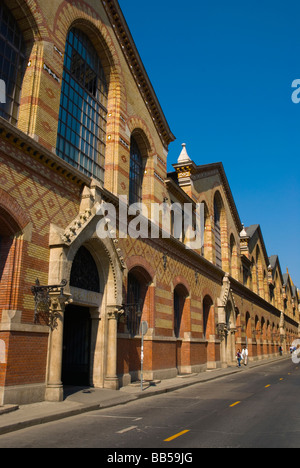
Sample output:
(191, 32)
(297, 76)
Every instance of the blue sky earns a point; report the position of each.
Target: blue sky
(223, 74)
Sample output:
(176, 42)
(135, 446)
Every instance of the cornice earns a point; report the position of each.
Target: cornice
(32, 148)
(138, 71)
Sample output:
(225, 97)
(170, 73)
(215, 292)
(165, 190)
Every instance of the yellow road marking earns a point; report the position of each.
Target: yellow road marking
(175, 436)
(235, 404)
(267, 386)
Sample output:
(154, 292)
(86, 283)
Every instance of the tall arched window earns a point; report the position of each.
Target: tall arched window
(207, 232)
(178, 309)
(218, 242)
(136, 173)
(180, 300)
(134, 304)
(12, 65)
(83, 107)
(10, 261)
(207, 317)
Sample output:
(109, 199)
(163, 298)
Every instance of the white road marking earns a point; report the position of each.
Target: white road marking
(126, 430)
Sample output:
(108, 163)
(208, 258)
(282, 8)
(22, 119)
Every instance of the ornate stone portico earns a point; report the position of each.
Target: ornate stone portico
(227, 323)
(104, 306)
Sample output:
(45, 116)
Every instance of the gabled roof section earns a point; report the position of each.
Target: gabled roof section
(274, 262)
(137, 68)
(200, 171)
(254, 232)
(219, 166)
(287, 280)
(295, 293)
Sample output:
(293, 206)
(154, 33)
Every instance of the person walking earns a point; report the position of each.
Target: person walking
(245, 355)
(239, 357)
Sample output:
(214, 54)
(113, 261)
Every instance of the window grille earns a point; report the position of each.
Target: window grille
(134, 305)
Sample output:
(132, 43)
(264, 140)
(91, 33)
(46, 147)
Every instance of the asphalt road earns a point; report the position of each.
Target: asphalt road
(257, 408)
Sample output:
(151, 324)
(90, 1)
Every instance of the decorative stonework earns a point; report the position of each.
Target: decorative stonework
(76, 227)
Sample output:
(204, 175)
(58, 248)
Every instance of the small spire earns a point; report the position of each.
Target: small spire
(243, 232)
(184, 157)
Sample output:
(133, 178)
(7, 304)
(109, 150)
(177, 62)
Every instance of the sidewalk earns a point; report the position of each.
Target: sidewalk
(81, 400)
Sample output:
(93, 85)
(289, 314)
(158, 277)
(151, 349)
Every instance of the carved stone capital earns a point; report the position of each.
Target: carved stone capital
(114, 312)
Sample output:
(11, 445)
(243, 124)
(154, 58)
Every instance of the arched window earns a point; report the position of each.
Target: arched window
(207, 232)
(136, 173)
(207, 317)
(84, 273)
(257, 269)
(218, 242)
(139, 300)
(83, 107)
(233, 257)
(248, 326)
(180, 299)
(134, 304)
(12, 65)
(10, 260)
(177, 313)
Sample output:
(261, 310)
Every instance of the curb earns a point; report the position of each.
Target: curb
(8, 409)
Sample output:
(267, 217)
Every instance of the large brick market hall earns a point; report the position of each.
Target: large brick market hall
(82, 126)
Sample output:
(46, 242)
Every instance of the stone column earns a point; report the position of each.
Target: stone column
(97, 350)
(111, 379)
(54, 386)
(222, 333)
(233, 346)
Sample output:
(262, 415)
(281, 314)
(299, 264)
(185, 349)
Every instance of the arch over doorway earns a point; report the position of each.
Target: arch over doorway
(102, 301)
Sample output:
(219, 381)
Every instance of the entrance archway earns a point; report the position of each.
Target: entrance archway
(230, 334)
(227, 323)
(94, 273)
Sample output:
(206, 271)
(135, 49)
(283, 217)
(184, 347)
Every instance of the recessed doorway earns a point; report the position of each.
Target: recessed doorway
(76, 346)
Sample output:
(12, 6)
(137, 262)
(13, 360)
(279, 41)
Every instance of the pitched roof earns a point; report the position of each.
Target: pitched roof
(253, 230)
(274, 261)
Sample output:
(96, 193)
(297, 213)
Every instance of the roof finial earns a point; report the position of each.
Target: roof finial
(184, 157)
(243, 233)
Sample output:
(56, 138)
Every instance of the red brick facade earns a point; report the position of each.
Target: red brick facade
(48, 210)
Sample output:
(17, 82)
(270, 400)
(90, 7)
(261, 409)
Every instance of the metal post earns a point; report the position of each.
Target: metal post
(144, 329)
(142, 362)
